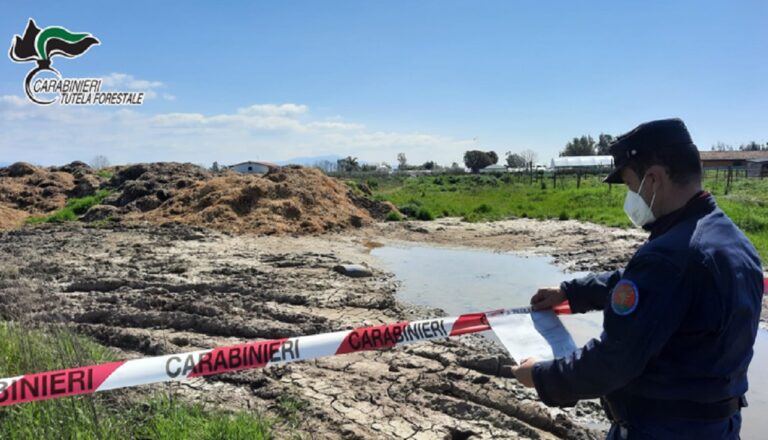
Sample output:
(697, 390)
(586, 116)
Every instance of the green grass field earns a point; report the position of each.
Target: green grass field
(489, 197)
(75, 207)
(108, 415)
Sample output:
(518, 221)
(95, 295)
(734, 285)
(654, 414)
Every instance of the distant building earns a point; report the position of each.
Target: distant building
(414, 173)
(252, 167)
(734, 159)
(757, 167)
(495, 168)
(582, 162)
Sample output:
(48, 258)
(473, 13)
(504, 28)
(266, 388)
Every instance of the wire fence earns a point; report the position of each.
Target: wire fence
(554, 178)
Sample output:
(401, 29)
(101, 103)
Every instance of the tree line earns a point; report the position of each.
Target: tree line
(476, 160)
(587, 146)
(749, 146)
(584, 145)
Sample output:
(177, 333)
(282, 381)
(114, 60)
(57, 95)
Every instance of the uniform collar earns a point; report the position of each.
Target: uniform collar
(702, 202)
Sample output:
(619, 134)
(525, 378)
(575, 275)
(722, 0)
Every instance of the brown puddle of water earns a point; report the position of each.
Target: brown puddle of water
(469, 280)
(371, 245)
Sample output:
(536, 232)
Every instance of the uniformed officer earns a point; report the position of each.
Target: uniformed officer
(681, 318)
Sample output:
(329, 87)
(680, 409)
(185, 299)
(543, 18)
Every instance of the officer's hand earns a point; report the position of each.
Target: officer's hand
(547, 297)
(524, 372)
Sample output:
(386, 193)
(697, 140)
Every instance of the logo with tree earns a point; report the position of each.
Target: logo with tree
(41, 45)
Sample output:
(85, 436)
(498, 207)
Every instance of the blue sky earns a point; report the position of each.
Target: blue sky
(232, 81)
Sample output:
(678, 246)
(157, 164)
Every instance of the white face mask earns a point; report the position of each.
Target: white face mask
(637, 210)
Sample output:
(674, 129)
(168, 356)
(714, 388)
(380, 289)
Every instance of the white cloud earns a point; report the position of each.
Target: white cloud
(274, 109)
(335, 125)
(13, 101)
(272, 119)
(127, 82)
(176, 119)
(58, 134)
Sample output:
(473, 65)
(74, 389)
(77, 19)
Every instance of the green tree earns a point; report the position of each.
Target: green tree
(515, 160)
(720, 146)
(603, 142)
(580, 146)
(402, 161)
(477, 160)
(752, 146)
(348, 164)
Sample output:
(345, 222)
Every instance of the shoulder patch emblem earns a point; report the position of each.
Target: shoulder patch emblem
(624, 298)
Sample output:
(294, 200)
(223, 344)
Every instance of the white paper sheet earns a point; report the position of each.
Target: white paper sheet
(537, 334)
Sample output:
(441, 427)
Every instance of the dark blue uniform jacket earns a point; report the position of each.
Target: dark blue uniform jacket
(691, 327)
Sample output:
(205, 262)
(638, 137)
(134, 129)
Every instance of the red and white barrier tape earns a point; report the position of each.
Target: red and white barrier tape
(259, 354)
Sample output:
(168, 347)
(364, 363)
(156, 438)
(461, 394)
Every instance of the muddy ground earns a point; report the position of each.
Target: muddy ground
(148, 290)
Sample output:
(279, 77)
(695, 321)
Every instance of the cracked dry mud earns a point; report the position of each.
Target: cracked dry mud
(150, 290)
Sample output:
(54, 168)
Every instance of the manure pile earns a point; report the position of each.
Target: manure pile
(286, 200)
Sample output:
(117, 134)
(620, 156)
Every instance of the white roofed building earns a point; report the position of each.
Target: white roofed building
(252, 167)
(582, 162)
(495, 168)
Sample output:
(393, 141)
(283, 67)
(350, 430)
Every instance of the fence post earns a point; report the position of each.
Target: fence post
(530, 173)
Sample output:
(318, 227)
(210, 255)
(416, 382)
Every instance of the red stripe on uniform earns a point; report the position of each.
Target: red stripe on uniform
(470, 323)
(58, 383)
(564, 308)
(372, 338)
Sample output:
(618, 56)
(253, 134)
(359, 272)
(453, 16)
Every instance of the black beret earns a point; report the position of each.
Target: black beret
(647, 138)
